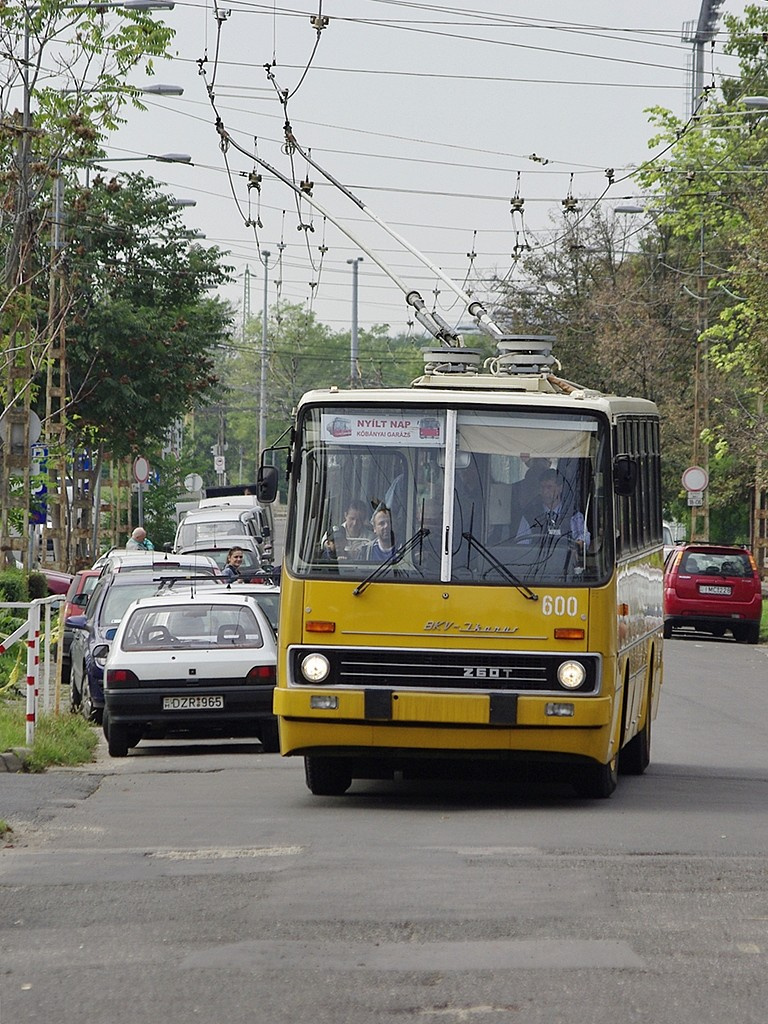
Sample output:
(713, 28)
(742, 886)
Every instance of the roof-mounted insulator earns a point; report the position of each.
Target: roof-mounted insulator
(524, 354)
(451, 360)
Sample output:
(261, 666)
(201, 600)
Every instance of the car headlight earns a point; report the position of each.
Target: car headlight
(571, 674)
(315, 668)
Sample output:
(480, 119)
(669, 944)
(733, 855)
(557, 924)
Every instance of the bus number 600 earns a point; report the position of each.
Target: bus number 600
(559, 605)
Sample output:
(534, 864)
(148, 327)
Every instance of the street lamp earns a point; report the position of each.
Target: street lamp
(17, 274)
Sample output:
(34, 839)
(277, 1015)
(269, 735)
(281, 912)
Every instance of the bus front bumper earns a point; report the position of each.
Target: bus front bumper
(407, 720)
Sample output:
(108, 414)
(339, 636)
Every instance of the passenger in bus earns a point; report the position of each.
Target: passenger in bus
(383, 545)
(549, 516)
(355, 530)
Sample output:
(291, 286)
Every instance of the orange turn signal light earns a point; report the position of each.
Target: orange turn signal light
(318, 626)
(561, 633)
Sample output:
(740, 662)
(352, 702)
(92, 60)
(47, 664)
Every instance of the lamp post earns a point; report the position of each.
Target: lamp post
(16, 464)
(263, 380)
(354, 370)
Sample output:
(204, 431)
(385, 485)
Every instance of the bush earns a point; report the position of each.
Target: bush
(13, 585)
(38, 585)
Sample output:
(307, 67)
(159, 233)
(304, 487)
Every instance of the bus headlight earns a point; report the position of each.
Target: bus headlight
(315, 668)
(571, 674)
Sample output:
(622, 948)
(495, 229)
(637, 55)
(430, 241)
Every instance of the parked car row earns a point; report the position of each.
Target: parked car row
(200, 656)
(712, 588)
(221, 523)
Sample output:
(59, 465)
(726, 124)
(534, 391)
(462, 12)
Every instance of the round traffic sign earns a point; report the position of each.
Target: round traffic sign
(193, 481)
(140, 470)
(695, 478)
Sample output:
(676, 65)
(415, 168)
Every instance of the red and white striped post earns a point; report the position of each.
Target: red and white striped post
(33, 667)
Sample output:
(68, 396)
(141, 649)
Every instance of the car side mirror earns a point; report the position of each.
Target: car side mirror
(100, 654)
(80, 600)
(266, 484)
(77, 622)
(110, 633)
(625, 473)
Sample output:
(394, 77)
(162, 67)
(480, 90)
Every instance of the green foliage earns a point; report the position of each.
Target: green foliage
(59, 739)
(38, 585)
(142, 332)
(160, 501)
(13, 585)
(302, 354)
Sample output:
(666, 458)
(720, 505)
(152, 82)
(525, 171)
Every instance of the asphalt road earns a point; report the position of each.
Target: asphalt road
(203, 881)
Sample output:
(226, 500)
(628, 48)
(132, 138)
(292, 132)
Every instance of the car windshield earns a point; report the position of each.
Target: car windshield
(199, 625)
(208, 531)
(118, 598)
(712, 563)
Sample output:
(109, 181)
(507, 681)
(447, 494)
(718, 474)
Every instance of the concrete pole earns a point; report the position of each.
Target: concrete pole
(354, 373)
(263, 383)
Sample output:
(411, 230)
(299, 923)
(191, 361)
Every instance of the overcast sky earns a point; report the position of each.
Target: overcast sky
(434, 114)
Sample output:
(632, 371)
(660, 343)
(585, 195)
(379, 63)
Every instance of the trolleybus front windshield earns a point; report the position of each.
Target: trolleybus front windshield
(462, 495)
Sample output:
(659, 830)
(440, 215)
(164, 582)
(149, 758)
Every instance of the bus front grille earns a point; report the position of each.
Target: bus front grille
(464, 670)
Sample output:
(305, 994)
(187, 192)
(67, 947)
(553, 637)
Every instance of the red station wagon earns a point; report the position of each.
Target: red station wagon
(712, 588)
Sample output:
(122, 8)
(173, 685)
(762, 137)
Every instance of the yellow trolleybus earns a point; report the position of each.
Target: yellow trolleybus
(508, 607)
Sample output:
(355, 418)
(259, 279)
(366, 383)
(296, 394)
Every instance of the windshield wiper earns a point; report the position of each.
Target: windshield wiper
(509, 576)
(396, 556)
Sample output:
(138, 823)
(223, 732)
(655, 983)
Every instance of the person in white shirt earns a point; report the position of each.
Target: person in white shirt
(139, 541)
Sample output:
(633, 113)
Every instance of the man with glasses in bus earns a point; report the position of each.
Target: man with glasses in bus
(549, 517)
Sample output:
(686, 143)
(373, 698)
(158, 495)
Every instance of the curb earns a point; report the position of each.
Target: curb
(14, 760)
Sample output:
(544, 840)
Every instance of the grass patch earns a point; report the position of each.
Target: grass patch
(64, 739)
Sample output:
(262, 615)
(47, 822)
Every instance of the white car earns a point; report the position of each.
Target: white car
(203, 660)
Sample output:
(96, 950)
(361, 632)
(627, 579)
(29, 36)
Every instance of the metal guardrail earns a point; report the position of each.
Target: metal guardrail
(39, 614)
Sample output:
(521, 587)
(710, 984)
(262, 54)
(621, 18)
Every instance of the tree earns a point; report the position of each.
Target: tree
(68, 63)
(302, 354)
(142, 332)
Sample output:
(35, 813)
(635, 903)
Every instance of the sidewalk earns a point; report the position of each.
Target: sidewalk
(14, 760)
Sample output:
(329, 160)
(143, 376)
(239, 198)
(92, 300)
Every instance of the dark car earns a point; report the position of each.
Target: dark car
(115, 589)
(712, 588)
(75, 602)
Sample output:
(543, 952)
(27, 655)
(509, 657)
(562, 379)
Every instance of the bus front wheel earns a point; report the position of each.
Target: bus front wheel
(326, 776)
(596, 781)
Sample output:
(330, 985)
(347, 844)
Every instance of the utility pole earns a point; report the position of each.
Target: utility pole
(700, 513)
(759, 536)
(15, 482)
(354, 367)
(263, 382)
(246, 300)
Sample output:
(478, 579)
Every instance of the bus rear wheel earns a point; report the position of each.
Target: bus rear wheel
(636, 755)
(597, 781)
(326, 776)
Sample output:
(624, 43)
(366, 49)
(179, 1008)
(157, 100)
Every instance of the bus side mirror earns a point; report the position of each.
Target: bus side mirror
(266, 484)
(625, 473)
